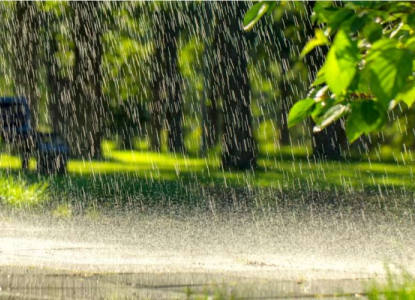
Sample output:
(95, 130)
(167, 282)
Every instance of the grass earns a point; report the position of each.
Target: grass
(16, 192)
(133, 176)
(397, 288)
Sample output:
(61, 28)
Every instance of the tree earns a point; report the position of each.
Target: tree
(57, 72)
(211, 85)
(87, 115)
(167, 96)
(26, 60)
(368, 69)
(238, 144)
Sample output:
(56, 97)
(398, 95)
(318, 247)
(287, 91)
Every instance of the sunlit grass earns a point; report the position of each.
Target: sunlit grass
(14, 162)
(16, 192)
(397, 288)
(274, 171)
(125, 173)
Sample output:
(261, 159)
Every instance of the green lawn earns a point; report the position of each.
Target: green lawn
(132, 174)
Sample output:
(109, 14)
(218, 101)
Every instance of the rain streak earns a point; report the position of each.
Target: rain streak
(154, 150)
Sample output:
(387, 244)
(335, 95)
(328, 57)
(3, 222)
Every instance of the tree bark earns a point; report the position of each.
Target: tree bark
(167, 99)
(210, 100)
(330, 142)
(174, 110)
(58, 85)
(87, 110)
(285, 138)
(157, 106)
(238, 148)
(26, 60)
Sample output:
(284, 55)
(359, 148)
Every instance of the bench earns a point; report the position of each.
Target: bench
(49, 149)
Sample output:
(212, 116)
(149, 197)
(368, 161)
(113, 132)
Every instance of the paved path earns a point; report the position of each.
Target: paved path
(158, 257)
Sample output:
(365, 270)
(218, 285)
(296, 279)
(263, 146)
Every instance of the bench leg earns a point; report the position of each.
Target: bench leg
(25, 161)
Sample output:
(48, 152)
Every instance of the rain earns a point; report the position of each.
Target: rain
(146, 152)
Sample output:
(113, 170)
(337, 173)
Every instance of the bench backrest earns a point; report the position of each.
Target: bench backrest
(14, 117)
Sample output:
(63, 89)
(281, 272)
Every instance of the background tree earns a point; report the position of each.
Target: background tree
(102, 63)
(238, 144)
(87, 115)
(210, 103)
(26, 27)
(167, 81)
(57, 66)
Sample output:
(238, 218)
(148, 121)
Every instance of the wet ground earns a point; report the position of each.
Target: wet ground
(34, 283)
(149, 256)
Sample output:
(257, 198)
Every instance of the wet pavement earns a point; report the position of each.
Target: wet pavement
(149, 257)
(36, 283)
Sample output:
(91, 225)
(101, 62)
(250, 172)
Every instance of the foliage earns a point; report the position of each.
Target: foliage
(16, 192)
(369, 66)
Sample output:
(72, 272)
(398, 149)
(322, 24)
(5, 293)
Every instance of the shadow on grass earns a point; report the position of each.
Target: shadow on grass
(147, 179)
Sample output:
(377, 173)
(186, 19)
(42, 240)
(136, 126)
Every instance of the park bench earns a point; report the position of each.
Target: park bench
(49, 149)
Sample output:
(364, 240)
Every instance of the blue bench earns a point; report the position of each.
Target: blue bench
(50, 150)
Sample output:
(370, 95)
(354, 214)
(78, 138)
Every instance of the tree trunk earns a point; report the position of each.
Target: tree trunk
(174, 109)
(57, 84)
(166, 83)
(26, 60)
(156, 108)
(286, 104)
(238, 148)
(330, 142)
(210, 100)
(87, 101)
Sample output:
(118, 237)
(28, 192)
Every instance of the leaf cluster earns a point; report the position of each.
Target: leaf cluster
(369, 66)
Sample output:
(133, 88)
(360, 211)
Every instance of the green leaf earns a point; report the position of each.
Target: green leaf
(382, 45)
(338, 17)
(368, 4)
(354, 23)
(255, 13)
(390, 69)
(408, 94)
(331, 115)
(366, 116)
(318, 111)
(363, 84)
(320, 78)
(410, 44)
(300, 111)
(341, 63)
(410, 20)
(319, 40)
(271, 7)
(371, 113)
(323, 10)
(372, 32)
(353, 128)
